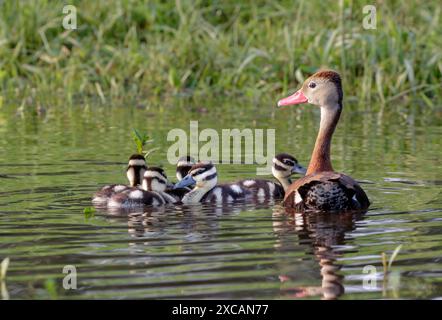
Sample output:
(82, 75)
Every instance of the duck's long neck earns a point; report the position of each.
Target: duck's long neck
(320, 160)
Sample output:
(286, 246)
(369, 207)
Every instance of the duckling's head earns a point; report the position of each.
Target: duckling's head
(155, 179)
(324, 88)
(135, 169)
(284, 165)
(202, 174)
(183, 166)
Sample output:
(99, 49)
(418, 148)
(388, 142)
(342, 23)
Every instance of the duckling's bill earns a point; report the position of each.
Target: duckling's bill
(187, 181)
(299, 169)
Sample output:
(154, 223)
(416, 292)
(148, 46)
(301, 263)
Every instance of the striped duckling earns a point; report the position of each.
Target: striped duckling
(284, 165)
(134, 172)
(152, 192)
(183, 166)
(204, 176)
(155, 180)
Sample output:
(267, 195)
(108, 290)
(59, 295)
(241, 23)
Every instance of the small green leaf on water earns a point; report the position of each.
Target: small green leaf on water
(51, 288)
(4, 268)
(140, 140)
(89, 212)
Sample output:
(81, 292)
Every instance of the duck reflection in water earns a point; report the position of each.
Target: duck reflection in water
(197, 222)
(321, 232)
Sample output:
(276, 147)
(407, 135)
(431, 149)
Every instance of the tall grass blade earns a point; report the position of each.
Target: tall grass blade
(394, 255)
(4, 268)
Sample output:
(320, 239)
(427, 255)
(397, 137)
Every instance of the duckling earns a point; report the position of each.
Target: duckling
(204, 176)
(155, 180)
(182, 169)
(284, 165)
(183, 166)
(134, 172)
(152, 192)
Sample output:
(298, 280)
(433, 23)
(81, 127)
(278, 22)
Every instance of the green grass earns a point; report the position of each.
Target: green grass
(152, 51)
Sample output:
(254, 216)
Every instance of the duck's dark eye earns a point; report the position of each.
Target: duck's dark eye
(312, 85)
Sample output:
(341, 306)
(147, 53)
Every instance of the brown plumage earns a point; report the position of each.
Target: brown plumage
(348, 186)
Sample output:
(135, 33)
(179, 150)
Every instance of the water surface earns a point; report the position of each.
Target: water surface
(51, 162)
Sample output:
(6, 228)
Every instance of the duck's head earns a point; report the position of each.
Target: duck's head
(135, 169)
(284, 165)
(202, 174)
(323, 88)
(155, 179)
(183, 166)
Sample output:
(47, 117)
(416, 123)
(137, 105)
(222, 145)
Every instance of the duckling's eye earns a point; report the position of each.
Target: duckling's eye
(312, 85)
(196, 172)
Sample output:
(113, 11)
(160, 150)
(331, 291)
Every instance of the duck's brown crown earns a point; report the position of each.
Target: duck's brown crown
(331, 76)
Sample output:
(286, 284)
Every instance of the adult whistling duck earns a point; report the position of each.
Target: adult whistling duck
(323, 189)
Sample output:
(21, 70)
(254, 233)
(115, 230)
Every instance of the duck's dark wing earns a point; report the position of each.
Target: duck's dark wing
(303, 185)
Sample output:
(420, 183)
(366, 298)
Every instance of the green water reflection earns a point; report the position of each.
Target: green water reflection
(52, 161)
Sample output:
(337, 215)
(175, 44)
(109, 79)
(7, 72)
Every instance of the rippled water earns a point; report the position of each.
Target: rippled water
(51, 163)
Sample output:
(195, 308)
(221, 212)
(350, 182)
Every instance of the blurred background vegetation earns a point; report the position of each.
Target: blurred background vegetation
(145, 52)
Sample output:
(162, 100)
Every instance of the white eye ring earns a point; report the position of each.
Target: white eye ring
(312, 85)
